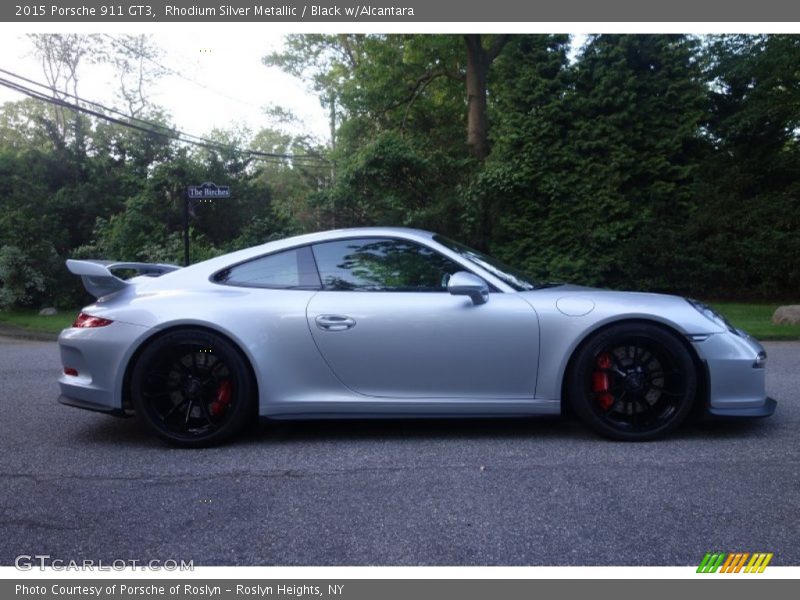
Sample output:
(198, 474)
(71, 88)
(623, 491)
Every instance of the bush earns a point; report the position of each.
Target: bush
(22, 283)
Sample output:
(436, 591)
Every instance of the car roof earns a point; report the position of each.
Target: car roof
(245, 254)
(330, 235)
(350, 232)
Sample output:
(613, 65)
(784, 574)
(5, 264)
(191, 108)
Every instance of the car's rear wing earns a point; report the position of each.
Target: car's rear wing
(99, 280)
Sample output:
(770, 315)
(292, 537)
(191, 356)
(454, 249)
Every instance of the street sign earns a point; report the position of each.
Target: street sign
(199, 194)
(208, 191)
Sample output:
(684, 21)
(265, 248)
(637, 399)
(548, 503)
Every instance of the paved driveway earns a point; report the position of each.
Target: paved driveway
(79, 485)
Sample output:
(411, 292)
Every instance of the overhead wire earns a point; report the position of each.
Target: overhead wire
(172, 71)
(150, 127)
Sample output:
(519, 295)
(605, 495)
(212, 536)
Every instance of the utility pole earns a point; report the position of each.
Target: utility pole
(332, 100)
(186, 229)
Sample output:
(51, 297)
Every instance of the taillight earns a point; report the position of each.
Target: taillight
(85, 321)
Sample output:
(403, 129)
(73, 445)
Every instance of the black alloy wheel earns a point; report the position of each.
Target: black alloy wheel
(192, 388)
(633, 382)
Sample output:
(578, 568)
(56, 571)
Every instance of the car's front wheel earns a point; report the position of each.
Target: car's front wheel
(192, 388)
(633, 382)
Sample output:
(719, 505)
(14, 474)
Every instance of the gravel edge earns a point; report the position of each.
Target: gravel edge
(19, 333)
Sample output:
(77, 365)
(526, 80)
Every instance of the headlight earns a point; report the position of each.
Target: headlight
(712, 315)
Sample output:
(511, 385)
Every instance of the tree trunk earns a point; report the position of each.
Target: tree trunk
(477, 71)
(478, 62)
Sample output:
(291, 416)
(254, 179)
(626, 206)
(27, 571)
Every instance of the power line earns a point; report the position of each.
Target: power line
(85, 101)
(63, 103)
(148, 126)
(158, 125)
(171, 132)
(178, 73)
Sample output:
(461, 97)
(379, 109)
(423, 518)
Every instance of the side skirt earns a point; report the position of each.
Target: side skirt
(411, 408)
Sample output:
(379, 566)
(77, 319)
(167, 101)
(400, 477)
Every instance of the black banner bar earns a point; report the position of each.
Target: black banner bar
(348, 11)
(393, 589)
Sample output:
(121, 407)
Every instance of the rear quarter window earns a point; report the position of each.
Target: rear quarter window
(290, 269)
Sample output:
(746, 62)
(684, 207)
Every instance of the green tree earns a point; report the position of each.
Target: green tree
(599, 174)
(379, 82)
(400, 155)
(749, 195)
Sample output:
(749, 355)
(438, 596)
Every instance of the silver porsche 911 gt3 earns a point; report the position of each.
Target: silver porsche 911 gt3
(387, 322)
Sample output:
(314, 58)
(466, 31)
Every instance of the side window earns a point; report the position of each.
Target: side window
(382, 265)
(291, 269)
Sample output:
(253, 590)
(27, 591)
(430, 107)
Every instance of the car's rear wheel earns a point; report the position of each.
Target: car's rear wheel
(192, 388)
(633, 382)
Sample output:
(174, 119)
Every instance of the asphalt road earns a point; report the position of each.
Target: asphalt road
(78, 485)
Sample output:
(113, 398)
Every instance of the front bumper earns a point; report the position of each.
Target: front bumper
(755, 412)
(736, 376)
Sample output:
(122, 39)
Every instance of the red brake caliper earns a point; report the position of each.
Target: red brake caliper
(223, 401)
(601, 383)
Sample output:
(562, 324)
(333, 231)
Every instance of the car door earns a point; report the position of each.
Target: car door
(387, 327)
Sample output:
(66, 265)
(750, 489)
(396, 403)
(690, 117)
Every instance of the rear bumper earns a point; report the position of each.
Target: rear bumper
(86, 405)
(97, 359)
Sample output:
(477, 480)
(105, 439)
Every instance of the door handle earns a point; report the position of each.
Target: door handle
(334, 322)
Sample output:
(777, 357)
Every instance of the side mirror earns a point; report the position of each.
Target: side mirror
(467, 284)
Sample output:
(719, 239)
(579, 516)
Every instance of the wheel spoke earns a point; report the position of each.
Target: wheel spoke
(632, 412)
(211, 375)
(172, 410)
(163, 375)
(637, 353)
(178, 362)
(206, 414)
(189, 412)
(648, 407)
(672, 394)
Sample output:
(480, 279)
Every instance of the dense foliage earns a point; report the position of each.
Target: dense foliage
(656, 162)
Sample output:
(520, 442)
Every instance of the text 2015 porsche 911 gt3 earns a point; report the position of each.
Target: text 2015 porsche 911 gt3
(383, 322)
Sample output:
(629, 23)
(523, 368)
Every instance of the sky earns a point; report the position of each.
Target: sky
(222, 82)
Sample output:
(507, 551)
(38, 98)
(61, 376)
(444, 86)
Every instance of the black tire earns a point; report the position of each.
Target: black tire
(632, 382)
(192, 388)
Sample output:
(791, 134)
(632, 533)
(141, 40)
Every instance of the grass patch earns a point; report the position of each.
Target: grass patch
(756, 319)
(33, 321)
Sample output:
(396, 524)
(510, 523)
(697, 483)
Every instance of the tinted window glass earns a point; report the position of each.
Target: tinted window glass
(382, 265)
(290, 269)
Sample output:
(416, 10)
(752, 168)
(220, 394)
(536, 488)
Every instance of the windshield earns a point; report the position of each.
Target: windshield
(513, 277)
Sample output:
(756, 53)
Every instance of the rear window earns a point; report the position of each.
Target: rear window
(290, 269)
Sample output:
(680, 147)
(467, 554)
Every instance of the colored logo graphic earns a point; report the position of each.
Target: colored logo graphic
(734, 562)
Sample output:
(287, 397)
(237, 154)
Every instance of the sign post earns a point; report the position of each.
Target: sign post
(205, 192)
